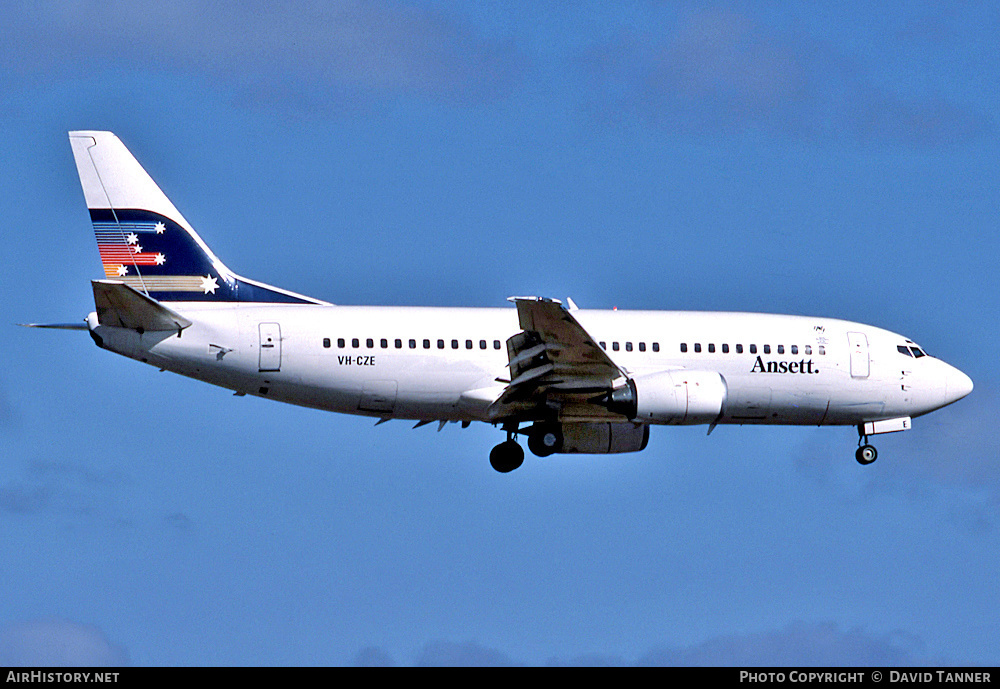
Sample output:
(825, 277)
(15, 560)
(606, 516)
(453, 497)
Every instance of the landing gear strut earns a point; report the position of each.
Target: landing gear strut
(866, 454)
(508, 455)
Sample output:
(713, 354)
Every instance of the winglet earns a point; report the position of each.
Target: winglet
(121, 306)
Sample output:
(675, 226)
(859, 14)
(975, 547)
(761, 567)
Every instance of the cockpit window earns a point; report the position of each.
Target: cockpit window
(910, 349)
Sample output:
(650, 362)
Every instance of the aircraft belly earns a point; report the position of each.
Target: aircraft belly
(380, 385)
(800, 402)
(752, 400)
(748, 401)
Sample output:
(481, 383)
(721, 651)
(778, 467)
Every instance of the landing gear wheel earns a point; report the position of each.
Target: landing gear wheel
(866, 454)
(544, 440)
(506, 456)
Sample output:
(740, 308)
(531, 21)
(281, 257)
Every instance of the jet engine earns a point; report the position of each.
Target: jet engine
(670, 397)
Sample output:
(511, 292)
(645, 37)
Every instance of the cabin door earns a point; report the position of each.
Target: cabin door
(860, 365)
(270, 347)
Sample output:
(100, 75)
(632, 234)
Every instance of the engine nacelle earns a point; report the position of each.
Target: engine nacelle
(671, 397)
(589, 438)
(603, 438)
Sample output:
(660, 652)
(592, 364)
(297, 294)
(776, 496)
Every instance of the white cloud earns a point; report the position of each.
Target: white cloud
(63, 487)
(802, 644)
(468, 654)
(719, 70)
(58, 643)
(303, 51)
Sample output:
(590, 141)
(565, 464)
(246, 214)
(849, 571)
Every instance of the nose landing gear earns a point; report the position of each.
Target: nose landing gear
(865, 454)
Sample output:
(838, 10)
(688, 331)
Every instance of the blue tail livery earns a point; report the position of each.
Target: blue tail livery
(144, 242)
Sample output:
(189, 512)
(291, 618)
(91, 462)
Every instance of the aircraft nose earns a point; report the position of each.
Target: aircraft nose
(959, 384)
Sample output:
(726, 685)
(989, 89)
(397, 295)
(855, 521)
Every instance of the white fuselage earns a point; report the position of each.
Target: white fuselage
(431, 363)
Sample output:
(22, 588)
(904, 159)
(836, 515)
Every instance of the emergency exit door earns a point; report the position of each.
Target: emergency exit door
(270, 347)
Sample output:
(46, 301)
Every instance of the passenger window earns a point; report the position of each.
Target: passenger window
(795, 349)
(711, 349)
(326, 342)
(781, 349)
(628, 346)
(482, 344)
(739, 349)
(440, 344)
(809, 349)
(454, 344)
(604, 345)
(369, 342)
(822, 350)
(468, 344)
(684, 347)
(398, 343)
(753, 349)
(614, 346)
(384, 343)
(427, 344)
(341, 343)
(697, 346)
(496, 344)
(725, 349)
(413, 344)
(355, 342)
(642, 346)
(656, 346)
(767, 349)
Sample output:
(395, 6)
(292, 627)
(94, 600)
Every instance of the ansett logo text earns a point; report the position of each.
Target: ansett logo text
(802, 366)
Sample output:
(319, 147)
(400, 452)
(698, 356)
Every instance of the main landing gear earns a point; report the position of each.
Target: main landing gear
(508, 455)
(866, 454)
(544, 439)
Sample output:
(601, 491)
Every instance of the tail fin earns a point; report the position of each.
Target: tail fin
(144, 241)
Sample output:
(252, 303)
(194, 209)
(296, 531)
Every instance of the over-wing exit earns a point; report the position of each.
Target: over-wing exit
(569, 380)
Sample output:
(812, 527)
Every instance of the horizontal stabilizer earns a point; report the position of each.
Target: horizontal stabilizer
(121, 306)
(56, 326)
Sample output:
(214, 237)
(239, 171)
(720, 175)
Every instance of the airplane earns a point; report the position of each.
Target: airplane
(570, 380)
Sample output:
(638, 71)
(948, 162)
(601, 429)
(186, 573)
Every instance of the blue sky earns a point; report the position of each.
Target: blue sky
(837, 161)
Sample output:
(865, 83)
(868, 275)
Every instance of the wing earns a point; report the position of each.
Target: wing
(554, 359)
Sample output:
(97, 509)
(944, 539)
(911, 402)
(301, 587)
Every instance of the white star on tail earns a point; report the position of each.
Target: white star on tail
(160, 228)
(122, 271)
(132, 238)
(137, 249)
(209, 284)
(160, 258)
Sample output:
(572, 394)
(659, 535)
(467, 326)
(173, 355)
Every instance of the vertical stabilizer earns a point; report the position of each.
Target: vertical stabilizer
(143, 239)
